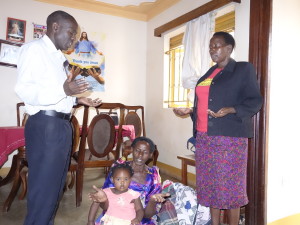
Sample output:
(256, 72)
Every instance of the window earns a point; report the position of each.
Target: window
(226, 22)
(176, 95)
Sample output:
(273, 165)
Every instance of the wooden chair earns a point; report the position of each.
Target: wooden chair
(18, 171)
(75, 143)
(21, 114)
(134, 115)
(103, 143)
(22, 117)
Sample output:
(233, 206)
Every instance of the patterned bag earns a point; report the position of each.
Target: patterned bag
(188, 212)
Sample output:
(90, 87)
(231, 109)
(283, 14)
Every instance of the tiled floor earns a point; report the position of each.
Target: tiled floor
(67, 213)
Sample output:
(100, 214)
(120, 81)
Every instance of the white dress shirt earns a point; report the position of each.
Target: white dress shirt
(41, 76)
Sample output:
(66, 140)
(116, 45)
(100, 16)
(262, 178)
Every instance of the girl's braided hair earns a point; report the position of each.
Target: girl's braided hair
(121, 164)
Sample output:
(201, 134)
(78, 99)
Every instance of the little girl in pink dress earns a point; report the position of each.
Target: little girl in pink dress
(123, 206)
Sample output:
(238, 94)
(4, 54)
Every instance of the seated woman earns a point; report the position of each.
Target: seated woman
(145, 180)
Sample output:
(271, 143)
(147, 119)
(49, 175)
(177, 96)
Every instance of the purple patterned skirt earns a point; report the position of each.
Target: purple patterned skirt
(221, 169)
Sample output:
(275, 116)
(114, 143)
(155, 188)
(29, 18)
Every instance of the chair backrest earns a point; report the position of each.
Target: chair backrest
(22, 116)
(134, 115)
(117, 108)
(101, 135)
(76, 133)
(113, 115)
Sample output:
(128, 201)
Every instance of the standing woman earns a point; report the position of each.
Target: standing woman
(227, 97)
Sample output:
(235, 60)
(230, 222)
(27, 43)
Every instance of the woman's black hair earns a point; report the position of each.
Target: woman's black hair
(228, 38)
(148, 140)
(124, 165)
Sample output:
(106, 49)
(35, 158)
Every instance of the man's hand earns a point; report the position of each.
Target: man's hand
(72, 86)
(75, 87)
(89, 102)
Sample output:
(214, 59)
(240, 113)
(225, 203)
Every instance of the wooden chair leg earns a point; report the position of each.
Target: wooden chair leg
(14, 190)
(225, 219)
(79, 186)
(23, 176)
(72, 182)
(11, 174)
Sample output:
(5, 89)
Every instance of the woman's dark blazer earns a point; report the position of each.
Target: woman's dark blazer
(235, 86)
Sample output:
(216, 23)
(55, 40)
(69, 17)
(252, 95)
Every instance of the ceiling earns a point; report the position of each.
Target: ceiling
(143, 10)
(125, 2)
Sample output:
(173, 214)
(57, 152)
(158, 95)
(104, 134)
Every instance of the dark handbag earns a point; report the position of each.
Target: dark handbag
(113, 115)
(191, 144)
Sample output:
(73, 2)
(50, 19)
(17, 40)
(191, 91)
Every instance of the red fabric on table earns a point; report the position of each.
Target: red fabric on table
(127, 131)
(11, 138)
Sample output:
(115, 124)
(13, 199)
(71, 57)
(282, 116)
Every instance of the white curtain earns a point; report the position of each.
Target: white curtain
(196, 60)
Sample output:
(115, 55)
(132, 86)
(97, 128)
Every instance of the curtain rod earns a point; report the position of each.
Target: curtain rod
(206, 8)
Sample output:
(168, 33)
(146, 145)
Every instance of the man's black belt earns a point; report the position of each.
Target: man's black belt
(65, 116)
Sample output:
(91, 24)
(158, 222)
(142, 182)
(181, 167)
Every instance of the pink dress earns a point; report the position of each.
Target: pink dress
(121, 208)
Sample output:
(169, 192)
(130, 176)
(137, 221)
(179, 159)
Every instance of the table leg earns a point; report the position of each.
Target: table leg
(183, 172)
(13, 192)
(14, 174)
(10, 176)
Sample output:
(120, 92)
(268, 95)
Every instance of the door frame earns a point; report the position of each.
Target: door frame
(259, 42)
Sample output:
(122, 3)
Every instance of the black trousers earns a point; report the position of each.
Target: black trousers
(48, 147)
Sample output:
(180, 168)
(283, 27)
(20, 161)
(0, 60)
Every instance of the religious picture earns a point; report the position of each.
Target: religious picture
(9, 53)
(15, 30)
(90, 60)
(39, 31)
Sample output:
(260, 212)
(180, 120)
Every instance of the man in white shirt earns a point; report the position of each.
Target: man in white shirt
(47, 90)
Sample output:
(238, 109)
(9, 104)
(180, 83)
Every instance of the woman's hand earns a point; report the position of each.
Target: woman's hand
(98, 196)
(222, 112)
(150, 209)
(182, 111)
(159, 197)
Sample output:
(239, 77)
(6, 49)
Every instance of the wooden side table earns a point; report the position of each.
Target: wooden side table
(185, 161)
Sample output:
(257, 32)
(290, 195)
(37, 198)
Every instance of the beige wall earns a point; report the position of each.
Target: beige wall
(284, 151)
(124, 47)
(168, 131)
(135, 74)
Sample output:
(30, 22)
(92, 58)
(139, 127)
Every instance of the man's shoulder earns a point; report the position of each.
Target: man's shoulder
(32, 45)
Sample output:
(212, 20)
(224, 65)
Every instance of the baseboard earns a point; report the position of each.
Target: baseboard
(164, 168)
